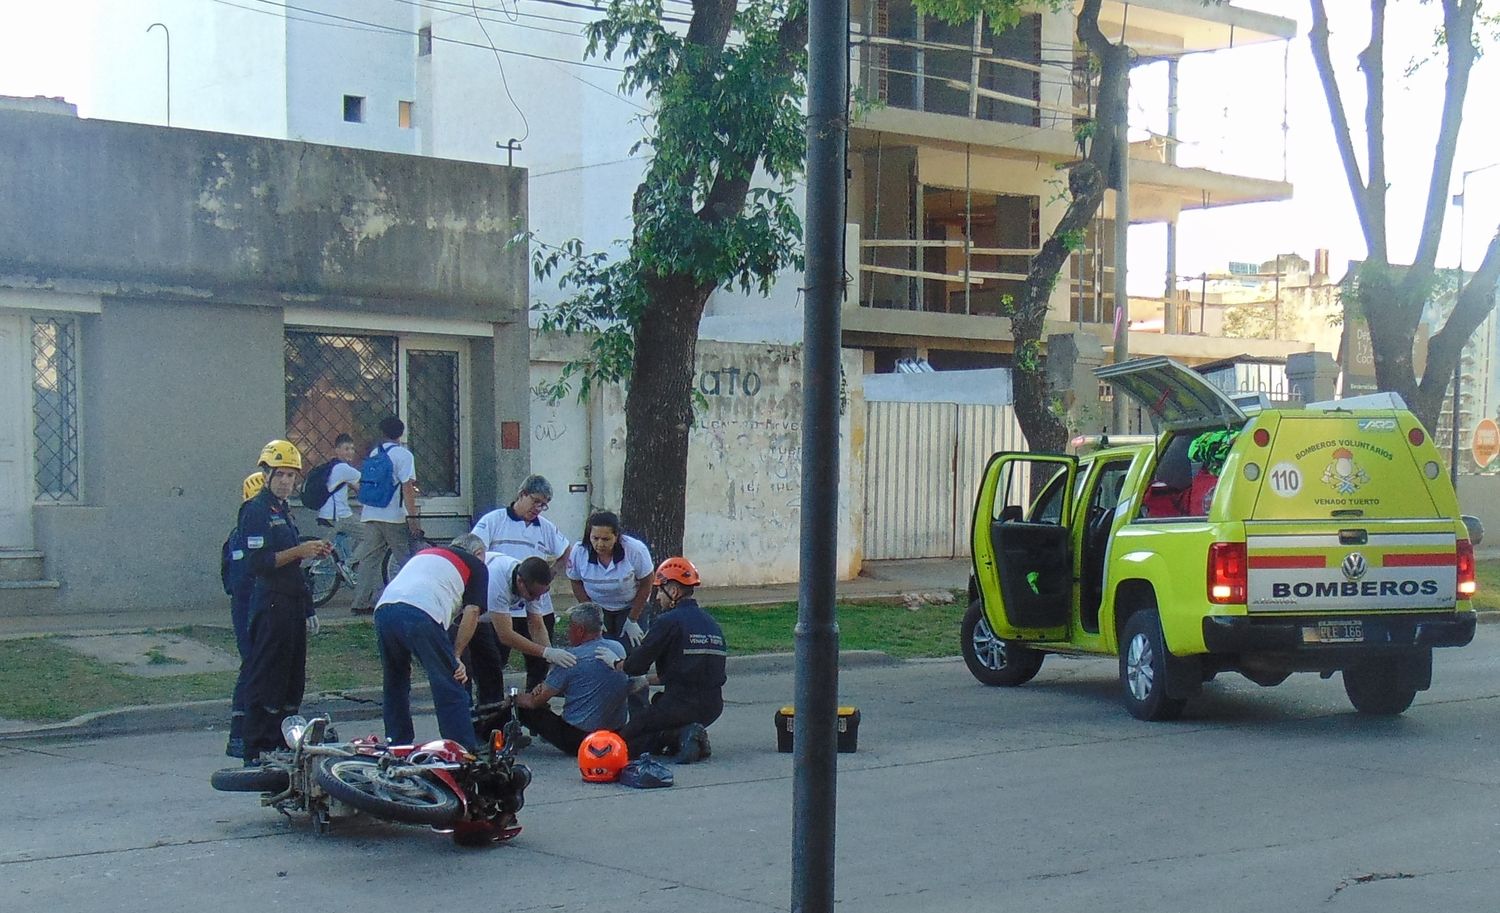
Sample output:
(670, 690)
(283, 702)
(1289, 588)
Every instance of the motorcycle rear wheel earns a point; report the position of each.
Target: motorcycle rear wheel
(410, 800)
(250, 780)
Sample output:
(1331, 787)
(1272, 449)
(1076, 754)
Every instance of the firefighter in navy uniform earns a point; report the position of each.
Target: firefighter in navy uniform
(687, 647)
(281, 611)
(238, 583)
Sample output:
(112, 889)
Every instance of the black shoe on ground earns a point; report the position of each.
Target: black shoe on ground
(692, 745)
(361, 611)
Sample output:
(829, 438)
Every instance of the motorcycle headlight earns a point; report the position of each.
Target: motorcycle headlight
(292, 728)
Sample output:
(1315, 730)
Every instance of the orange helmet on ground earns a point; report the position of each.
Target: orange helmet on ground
(678, 570)
(601, 757)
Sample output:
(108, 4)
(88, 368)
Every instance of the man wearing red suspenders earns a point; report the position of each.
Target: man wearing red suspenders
(411, 621)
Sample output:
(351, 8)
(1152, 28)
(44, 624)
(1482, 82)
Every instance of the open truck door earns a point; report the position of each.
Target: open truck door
(1023, 545)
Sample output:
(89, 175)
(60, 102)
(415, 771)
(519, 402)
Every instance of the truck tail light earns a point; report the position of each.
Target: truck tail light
(1227, 573)
(1467, 585)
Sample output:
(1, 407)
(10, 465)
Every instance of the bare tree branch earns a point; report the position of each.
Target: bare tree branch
(1318, 39)
(1458, 25)
(1372, 64)
(1475, 302)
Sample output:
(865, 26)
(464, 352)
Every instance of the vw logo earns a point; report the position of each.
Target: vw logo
(1354, 566)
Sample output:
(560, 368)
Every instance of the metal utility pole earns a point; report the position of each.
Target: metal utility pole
(1169, 307)
(168, 32)
(815, 762)
(1122, 232)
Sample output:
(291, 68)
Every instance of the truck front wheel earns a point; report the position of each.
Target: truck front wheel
(992, 660)
(1143, 669)
(1377, 687)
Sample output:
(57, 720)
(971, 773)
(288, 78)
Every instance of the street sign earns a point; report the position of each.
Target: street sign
(1486, 443)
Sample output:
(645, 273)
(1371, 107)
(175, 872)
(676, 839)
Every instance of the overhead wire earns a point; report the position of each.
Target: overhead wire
(504, 83)
(442, 38)
(446, 6)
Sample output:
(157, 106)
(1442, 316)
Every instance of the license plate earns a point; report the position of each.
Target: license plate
(1335, 632)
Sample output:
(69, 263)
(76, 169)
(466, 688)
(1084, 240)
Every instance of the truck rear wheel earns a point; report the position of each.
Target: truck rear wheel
(1143, 669)
(992, 660)
(1376, 687)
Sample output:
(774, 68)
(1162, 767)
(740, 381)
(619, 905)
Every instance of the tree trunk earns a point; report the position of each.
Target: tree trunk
(659, 413)
(1087, 180)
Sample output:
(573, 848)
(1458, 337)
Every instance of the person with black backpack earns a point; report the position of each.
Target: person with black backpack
(388, 494)
(328, 487)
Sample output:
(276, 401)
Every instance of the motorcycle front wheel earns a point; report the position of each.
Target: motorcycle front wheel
(410, 800)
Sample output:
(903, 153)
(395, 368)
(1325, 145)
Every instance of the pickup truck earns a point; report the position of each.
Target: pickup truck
(1323, 538)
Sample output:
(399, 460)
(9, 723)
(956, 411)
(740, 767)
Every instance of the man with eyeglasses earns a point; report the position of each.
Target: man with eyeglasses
(520, 531)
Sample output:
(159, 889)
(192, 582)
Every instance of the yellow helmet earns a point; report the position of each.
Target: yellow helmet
(254, 482)
(281, 454)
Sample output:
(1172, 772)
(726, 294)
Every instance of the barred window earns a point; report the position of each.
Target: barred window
(54, 407)
(433, 419)
(337, 384)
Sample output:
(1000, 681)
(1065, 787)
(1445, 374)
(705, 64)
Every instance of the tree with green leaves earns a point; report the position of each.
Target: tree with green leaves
(726, 108)
(1392, 297)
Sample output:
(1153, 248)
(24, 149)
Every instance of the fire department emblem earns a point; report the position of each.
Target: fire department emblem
(1354, 566)
(1345, 475)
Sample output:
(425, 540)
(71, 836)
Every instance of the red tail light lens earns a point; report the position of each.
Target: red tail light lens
(1467, 585)
(1416, 437)
(1227, 573)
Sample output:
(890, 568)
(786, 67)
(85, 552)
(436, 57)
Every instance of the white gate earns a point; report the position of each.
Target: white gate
(560, 451)
(922, 471)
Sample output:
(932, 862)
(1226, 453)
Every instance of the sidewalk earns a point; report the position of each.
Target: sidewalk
(879, 580)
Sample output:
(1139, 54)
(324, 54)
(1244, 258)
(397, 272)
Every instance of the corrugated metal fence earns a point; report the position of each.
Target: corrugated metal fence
(924, 462)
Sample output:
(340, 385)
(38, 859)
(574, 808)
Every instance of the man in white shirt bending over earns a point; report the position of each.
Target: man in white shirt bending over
(513, 609)
(520, 531)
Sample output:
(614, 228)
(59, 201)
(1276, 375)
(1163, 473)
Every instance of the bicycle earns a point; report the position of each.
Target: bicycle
(325, 575)
(419, 541)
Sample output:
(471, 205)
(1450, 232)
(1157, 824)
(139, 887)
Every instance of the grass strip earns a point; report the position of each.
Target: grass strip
(43, 681)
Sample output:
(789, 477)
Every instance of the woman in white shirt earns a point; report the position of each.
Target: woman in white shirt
(615, 571)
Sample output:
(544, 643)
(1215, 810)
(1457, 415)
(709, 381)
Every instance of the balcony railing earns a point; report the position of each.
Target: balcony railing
(966, 289)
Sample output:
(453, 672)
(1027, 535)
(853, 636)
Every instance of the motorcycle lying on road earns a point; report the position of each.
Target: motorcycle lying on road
(438, 783)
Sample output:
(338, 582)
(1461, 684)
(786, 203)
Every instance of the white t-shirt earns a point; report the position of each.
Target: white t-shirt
(612, 585)
(406, 471)
(503, 599)
(337, 506)
(513, 536)
(433, 582)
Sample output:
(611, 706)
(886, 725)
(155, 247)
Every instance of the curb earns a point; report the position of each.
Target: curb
(364, 703)
(356, 704)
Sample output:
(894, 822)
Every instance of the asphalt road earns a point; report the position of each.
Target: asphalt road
(961, 797)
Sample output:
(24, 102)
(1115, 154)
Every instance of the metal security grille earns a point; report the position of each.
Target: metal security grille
(433, 419)
(54, 406)
(336, 385)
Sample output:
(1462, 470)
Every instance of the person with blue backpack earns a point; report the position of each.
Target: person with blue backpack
(388, 494)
